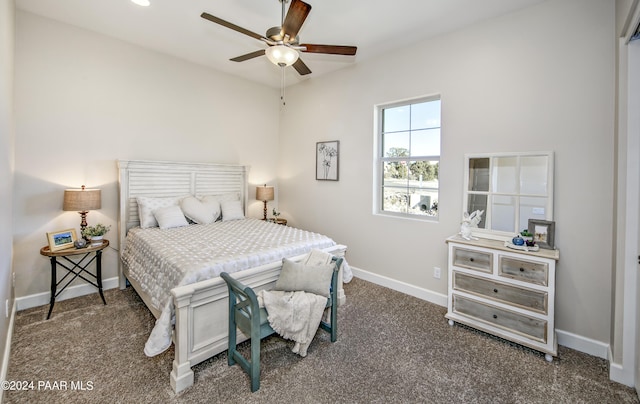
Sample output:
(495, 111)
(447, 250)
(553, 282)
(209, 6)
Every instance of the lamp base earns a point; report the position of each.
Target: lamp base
(83, 222)
(265, 210)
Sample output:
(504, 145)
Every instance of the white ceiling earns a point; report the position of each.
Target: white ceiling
(175, 27)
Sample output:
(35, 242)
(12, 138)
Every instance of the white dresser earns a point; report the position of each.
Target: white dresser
(504, 292)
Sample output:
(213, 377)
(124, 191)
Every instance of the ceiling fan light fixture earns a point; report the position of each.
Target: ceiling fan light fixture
(281, 55)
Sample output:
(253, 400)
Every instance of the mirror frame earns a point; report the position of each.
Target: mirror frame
(488, 232)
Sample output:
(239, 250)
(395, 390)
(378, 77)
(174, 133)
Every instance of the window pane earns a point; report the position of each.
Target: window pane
(396, 119)
(423, 174)
(425, 115)
(478, 202)
(425, 142)
(503, 213)
(395, 200)
(395, 144)
(531, 208)
(533, 175)
(423, 202)
(504, 178)
(395, 173)
(479, 175)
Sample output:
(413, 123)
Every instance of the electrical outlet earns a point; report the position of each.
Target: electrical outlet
(436, 272)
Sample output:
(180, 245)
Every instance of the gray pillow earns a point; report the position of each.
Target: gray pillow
(308, 278)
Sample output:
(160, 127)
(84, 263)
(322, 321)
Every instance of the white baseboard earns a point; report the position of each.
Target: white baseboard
(7, 349)
(573, 341)
(41, 299)
(583, 344)
(619, 374)
(415, 291)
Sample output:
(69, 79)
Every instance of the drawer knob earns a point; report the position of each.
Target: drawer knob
(495, 290)
(521, 269)
(495, 316)
(471, 259)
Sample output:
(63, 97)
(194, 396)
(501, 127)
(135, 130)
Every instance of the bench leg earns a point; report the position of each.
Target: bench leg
(232, 344)
(255, 360)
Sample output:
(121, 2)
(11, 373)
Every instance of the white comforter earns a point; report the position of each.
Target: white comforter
(160, 260)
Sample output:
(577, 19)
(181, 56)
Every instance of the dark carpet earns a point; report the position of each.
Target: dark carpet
(391, 348)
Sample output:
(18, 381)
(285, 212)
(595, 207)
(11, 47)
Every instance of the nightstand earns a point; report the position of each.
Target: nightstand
(82, 258)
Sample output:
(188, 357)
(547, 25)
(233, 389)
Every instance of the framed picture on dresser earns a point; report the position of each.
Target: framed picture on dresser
(543, 233)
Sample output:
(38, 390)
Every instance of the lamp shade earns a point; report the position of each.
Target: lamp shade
(282, 55)
(264, 193)
(81, 200)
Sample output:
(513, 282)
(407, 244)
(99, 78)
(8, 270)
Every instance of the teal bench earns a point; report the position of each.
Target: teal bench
(245, 315)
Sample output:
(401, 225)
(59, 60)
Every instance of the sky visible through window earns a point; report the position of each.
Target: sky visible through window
(414, 127)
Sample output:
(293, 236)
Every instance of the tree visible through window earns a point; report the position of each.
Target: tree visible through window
(409, 157)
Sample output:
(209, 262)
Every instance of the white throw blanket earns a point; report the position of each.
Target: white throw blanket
(294, 315)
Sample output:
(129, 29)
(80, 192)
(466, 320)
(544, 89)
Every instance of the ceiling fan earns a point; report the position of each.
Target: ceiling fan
(283, 40)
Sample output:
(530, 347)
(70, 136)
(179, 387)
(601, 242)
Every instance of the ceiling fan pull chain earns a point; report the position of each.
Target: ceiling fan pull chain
(282, 86)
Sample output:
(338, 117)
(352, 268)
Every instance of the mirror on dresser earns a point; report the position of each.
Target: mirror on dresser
(510, 188)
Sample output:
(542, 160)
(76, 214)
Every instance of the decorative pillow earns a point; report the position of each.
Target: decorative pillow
(147, 204)
(201, 212)
(231, 210)
(169, 217)
(308, 278)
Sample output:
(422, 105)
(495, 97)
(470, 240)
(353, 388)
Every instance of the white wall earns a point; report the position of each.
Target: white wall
(7, 18)
(537, 79)
(84, 100)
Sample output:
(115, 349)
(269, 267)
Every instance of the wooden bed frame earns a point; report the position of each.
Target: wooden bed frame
(201, 309)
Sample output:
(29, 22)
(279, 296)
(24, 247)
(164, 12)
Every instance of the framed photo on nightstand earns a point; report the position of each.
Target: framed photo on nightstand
(60, 240)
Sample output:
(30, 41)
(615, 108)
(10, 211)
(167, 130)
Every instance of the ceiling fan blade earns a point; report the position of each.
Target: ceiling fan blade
(234, 27)
(330, 49)
(301, 67)
(248, 56)
(298, 12)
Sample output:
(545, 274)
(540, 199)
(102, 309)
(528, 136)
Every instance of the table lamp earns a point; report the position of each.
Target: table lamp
(82, 201)
(264, 194)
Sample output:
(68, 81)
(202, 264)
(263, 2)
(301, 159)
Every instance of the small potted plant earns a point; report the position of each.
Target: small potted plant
(95, 233)
(528, 237)
(275, 215)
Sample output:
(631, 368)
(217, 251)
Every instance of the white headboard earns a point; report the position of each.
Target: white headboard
(167, 178)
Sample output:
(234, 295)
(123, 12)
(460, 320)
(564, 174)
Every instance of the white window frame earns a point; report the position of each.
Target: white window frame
(379, 159)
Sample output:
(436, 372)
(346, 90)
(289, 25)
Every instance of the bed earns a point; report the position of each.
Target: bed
(198, 302)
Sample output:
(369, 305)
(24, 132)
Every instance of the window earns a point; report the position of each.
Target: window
(408, 158)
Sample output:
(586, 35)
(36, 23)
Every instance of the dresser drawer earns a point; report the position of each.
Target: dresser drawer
(525, 298)
(523, 270)
(530, 327)
(471, 259)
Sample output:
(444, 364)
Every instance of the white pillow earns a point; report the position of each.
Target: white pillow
(201, 212)
(147, 204)
(231, 210)
(170, 216)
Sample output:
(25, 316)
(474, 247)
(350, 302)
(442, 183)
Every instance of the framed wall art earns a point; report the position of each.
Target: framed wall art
(59, 240)
(327, 158)
(543, 233)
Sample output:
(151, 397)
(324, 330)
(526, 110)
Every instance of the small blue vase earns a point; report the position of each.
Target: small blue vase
(517, 240)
